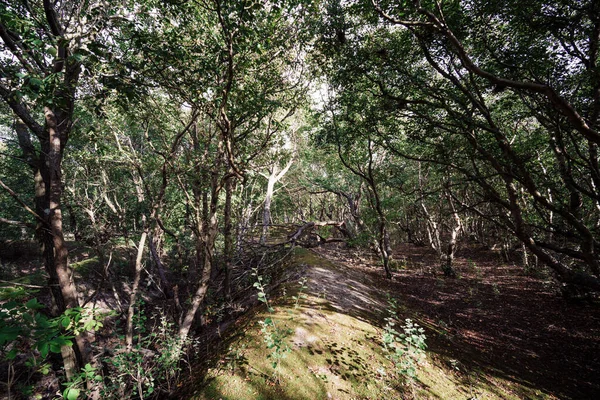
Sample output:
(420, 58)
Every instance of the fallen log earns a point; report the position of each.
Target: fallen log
(307, 229)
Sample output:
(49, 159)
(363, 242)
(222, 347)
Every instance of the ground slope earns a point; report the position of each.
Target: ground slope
(334, 336)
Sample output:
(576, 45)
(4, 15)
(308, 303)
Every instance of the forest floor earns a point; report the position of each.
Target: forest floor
(493, 332)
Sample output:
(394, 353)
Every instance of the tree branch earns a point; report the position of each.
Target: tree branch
(21, 202)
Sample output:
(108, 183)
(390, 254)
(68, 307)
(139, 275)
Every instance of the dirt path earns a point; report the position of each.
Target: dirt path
(494, 319)
(492, 334)
(348, 291)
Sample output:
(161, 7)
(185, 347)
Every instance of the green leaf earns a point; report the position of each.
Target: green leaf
(33, 304)
(28, 318)
(11, 354)
(54, 348)
(36, 82)
(44, 348)
(71, 393)
(77, 57)
(8, 334)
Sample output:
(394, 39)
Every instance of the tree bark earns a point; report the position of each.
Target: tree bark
(228, 236)
(451, 249)
(274, 177)
(207, 246)
(135, 289)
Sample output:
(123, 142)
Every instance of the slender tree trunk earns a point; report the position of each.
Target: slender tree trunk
(267, 208)
(153, 245)
(242, 226)
(274, 177)
(384, 248)
(135, 288)
(208, 244)
(451, 249)
(228, 236)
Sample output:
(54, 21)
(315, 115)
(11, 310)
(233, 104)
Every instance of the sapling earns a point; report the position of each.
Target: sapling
(300, 295)
(405, 347)
(274, 336)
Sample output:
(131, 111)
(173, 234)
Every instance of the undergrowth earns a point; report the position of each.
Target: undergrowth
(404, 344)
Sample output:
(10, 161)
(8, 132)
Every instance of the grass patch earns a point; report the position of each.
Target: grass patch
(337, 352)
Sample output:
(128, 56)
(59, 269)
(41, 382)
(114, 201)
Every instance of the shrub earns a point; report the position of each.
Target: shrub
(404, 347)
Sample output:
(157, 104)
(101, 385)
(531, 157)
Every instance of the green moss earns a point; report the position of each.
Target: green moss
(84, 265)
(337, 355)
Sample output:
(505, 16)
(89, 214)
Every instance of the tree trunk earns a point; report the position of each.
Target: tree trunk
(228, 237)
(56, 253)
(242, 226)
(207, 246)
(385, 248)
(135, 289)
(48, 187)
(53, 136)
(153, 245)
(274, 177)
(267, 208)
(451, 249)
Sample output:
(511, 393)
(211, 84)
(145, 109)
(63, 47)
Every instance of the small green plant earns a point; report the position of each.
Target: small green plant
(475, 268)
(402, 263)
(496, 289)
(449, 271)
(75, 387)
(153, 364)
(22, 325)
(235, 358)
(326, 231)
(274, 336)
(300, 295)
(404, 347)
(26, 329)
(362, 240)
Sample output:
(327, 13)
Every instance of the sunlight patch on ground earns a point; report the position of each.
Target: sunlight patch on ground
(335, 342)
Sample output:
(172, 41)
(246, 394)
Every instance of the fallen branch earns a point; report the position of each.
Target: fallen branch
(309, 226)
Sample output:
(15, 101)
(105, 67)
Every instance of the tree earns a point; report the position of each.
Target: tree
(276, 173)
(236, 65)
(508, 102)
(47, 43)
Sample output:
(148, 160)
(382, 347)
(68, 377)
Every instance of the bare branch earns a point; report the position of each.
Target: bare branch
(21, 202)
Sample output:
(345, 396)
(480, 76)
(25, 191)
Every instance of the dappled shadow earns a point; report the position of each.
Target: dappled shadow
(491, 331)
(491, 321)
(344, 292)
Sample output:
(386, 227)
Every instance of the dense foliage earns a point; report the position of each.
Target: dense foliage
(181, 138)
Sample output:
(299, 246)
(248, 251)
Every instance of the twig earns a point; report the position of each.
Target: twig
(26, 285)
(21, 202)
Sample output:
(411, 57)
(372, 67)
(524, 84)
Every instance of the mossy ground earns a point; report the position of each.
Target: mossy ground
(335, 350)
